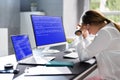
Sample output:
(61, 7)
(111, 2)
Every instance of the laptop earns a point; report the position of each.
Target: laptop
(24, 53)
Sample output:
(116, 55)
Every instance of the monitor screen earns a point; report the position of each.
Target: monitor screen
(21, 45)
(48, 30)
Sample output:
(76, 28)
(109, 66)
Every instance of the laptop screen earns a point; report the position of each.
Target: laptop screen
(21, 45)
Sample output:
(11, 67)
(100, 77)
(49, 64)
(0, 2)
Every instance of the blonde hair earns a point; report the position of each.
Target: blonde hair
(95, 17)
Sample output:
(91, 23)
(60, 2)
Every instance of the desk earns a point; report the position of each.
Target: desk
(80, 70)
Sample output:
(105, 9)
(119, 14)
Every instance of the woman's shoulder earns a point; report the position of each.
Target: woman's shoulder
(110, 30)
(109, 26)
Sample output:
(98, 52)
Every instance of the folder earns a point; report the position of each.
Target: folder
(60, 63)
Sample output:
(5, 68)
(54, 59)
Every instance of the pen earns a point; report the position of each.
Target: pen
(9, 71)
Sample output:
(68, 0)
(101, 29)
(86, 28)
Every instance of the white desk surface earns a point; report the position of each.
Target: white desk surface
(5, 60)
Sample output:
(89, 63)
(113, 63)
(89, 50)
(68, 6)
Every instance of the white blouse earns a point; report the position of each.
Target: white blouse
(105, 46)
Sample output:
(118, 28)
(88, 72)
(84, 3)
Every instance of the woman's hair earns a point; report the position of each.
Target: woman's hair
(96, 18)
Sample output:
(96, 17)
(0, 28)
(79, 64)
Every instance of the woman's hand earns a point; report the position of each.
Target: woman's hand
(83, 29)
(85, 33)
(78, 26)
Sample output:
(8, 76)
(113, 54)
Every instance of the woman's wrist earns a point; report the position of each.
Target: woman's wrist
(87, 41)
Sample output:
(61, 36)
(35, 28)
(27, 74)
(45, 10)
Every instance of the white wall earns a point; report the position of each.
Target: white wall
(72, 11)
(70, 16)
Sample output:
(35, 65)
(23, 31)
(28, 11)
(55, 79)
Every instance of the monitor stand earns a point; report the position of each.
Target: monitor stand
(47, 50)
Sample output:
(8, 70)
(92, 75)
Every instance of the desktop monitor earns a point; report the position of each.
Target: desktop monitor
(48, 30)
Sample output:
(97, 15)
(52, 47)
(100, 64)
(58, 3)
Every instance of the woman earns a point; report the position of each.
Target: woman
(105, 46)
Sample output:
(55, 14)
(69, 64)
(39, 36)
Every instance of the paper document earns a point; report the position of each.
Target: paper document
(71, 55)
(43, 70)
(91, 61)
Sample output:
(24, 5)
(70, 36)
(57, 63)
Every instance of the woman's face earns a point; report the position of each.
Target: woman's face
(84, 27)
(91, 29)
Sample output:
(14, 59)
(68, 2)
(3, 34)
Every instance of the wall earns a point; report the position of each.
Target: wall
(9, 18)
(72, 11)
(50, 7)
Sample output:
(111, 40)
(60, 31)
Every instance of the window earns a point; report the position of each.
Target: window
(110, 8)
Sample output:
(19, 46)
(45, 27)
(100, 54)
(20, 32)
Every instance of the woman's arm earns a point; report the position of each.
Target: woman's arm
(99, 44)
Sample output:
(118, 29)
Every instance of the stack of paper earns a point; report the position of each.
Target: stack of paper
(43, 70)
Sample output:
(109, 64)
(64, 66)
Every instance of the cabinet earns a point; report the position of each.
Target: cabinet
(3, 41)
(26, 25)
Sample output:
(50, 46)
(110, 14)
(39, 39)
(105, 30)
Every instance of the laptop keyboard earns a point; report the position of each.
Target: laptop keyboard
(28, 60)
(44, 60)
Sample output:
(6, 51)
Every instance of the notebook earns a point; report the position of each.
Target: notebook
(23, 51)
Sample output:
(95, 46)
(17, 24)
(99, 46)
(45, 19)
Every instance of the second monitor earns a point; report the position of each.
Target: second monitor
(48, 31)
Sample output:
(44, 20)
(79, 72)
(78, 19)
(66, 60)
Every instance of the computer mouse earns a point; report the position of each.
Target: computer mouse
(16, 71)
